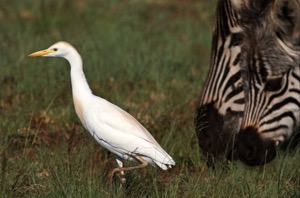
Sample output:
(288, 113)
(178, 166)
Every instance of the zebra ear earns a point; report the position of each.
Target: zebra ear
(260, 5)
(286, 14)
(250, 9)
(253, 6)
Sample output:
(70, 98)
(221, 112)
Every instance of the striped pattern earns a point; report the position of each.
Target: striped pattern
(270, 66)
(275, 114)
(253, 85)
(223, 84)
(221, 102)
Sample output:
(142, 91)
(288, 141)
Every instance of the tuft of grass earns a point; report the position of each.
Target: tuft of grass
(148, 57)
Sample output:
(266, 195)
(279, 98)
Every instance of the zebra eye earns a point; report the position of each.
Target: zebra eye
(273, 84)
(236, 39)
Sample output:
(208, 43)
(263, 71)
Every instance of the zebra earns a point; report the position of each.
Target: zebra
(270, 69)
(221, 102)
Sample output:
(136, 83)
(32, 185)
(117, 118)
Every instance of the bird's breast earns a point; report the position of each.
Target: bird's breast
(79, 109)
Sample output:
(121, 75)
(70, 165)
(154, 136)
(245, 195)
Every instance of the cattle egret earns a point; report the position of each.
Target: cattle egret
(112, 127)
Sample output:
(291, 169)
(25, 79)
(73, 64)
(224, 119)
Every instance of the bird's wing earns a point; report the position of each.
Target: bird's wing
(119, 132)
(121, 121)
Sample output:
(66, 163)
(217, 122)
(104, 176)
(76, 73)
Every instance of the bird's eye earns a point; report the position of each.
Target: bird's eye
(55, 49)
(273, 84)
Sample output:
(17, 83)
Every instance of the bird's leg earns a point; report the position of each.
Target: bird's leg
(143, 164)
(120, 163)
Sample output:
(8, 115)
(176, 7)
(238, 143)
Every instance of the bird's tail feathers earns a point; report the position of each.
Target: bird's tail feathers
(165, 165)
(156, 156)
(163, 160)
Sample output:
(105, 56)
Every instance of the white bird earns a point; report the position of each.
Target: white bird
(112, 127)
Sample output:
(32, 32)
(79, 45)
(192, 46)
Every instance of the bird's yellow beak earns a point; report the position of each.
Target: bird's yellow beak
(41, 53)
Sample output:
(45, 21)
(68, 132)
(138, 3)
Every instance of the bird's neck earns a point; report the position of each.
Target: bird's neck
(80, 87)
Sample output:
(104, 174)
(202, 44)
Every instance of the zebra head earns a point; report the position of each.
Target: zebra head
(270, 67)
(221, 103)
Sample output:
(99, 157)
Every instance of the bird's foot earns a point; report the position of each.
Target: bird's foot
(111, 176)
(121, 176)
(122, 179)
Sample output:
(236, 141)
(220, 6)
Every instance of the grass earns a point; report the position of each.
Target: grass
(148, 57)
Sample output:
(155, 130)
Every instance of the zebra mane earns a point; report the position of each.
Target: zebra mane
(271, 36)
(286, 17)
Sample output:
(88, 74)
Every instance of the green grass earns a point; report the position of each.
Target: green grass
(148, 57)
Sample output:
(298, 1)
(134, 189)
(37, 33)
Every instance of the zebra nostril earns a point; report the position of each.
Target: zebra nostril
(205, 140)
(249, 151)
(246, 152)
(252, 150)
(215, 132)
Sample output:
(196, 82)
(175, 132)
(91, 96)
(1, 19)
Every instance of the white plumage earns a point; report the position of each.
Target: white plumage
(112, 127)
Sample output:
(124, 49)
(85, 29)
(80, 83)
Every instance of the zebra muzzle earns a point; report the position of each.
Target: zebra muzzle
(252, 149)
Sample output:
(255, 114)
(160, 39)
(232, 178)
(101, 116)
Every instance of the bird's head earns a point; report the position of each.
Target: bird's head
(59, 49)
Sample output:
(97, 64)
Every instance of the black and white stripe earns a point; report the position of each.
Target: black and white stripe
(221, 102)
(270, 68)
(253, 85)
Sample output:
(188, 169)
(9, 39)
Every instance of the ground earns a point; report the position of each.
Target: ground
(148, 57)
